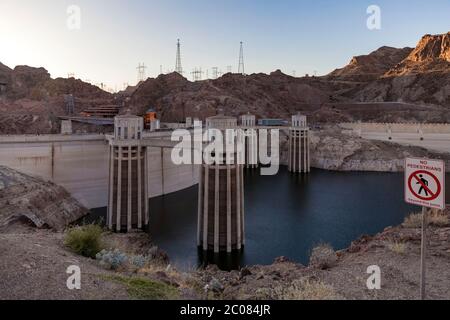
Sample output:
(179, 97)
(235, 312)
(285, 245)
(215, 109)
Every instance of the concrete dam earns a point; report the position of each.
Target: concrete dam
(79, 163)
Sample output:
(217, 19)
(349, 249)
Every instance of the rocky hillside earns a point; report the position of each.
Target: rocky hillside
(274, 95)
(386, 75)
(35, 83)
(432, 54)
(27, 199)
(31, 100)
(372, 66)
(423, 77)
(363, 90)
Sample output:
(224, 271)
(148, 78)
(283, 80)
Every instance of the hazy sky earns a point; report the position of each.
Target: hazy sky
(300, 35)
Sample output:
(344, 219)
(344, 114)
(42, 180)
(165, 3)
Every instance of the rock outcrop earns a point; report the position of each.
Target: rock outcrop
(372, 66)
(432, 54)
(423, 77)
(27, 199)
(333, 150)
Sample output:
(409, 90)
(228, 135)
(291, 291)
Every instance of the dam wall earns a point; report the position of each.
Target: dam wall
(80, 164)
(432, 136)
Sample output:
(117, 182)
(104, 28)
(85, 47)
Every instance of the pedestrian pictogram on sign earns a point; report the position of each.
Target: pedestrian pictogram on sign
(425, 182)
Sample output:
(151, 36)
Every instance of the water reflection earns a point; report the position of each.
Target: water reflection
(225, 261)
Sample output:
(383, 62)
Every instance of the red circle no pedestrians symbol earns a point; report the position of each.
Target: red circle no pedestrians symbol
(417, 178)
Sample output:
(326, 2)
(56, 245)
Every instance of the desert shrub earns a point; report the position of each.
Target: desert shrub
(397, 247)
(438, 219)
(139, 261)
(117, 260)
(305, 289)
(112, 260)
(323, 256)
(414, 220)
(264, 294)
(146, 289)
(85, 240)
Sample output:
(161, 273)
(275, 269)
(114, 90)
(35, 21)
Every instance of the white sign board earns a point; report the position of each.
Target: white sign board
(425, 182)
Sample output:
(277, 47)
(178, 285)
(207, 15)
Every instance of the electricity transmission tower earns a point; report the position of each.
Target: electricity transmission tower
(141, 72)
(241, 68)
(197, 74)
(215, 72)
(178, 66)
(70, 104)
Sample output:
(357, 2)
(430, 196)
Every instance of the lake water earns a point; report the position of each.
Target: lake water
(286, 215)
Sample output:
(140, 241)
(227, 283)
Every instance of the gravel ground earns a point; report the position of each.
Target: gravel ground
(33, 266)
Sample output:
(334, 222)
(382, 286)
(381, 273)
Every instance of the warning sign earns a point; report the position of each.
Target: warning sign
(425, 182)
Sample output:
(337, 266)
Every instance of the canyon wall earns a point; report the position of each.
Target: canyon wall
(333, 149)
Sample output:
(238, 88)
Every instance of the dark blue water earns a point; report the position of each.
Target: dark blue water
(286, 215)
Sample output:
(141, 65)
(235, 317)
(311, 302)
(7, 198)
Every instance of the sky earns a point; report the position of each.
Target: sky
(114, 36)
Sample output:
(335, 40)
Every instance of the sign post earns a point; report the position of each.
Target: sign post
(424, 186)
(423, 248)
